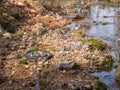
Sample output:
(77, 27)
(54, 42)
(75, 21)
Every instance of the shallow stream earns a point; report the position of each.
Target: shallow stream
(106, 27)
(104, 24)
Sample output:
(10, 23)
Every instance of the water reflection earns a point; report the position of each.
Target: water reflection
(108, 33)
(108, 78)
(106, 28)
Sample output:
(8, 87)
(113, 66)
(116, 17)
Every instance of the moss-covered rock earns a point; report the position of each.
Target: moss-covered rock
(96, 44)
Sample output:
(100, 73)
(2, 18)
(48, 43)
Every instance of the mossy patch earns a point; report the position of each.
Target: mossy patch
(81, 34)
(108, 61)
(101, 86)
(53, 49)
(20, 32)
(34, 48)
(96, 44)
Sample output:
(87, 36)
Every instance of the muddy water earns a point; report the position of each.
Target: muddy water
(105, 27)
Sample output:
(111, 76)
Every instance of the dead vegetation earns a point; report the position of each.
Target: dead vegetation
(14, 15)
(26, 25)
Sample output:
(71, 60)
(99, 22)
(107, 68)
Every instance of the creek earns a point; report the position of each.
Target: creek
(103, 22)
(109, 33)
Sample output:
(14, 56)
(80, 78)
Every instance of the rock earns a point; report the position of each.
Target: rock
(103, 23)
(95, 23)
